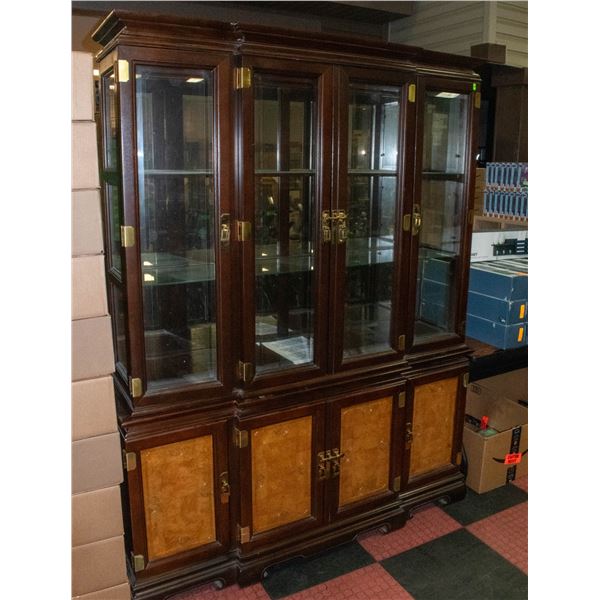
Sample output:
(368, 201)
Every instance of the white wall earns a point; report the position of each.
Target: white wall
(456, 26)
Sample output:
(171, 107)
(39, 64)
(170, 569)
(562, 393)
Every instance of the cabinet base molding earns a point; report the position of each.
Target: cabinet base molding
(251, 568)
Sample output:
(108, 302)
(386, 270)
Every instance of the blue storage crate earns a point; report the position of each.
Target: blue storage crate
(505, 312)
(496, 334)
(495, 279)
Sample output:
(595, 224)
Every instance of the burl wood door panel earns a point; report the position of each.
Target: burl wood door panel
(179, 503)
(433, 419)
(281, 473)
(365, 440)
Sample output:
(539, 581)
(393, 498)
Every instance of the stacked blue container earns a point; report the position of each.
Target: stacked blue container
(497, 305)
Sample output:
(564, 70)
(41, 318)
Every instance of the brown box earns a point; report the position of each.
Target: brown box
(119, 592)
(86, 223)
(84, 156)
(91, 348)
(98, 566)
(96, 463)
(503, 399)
(88, 289)
(82, 86)
(96, 515)
(92, 408)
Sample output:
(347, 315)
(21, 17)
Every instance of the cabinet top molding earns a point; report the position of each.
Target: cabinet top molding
(123, 27)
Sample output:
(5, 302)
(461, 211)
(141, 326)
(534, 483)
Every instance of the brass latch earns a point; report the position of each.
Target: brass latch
(409, 436)
(466, 380)
(225, 230)
(478, 100)
(127, 236)
(242, 78)
(397, 484)
(417, 221)
(401, 342)
(334, 226)
(401, 399)
(224, 484)
(329, 464)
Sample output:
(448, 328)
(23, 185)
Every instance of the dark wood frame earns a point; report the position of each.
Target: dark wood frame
(321, 389)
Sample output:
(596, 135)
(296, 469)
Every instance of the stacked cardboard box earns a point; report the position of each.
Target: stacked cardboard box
(497, 453)
(497, 305)
(98, 553)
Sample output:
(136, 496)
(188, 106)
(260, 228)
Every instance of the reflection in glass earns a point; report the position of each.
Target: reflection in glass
(177, 204)
(118, 316)
(442, 192)
(373, 129)
(284, 123)
(111, 173)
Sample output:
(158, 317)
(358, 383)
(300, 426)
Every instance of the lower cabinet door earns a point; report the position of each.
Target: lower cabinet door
(434, 417)
(363, 450)
(179, 497)
(281, 493)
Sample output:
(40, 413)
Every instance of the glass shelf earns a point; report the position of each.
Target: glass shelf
(161, 268)
(176, 172)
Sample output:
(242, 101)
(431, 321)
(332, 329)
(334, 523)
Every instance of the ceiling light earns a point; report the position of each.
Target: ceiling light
(447, 95)
(96, 72)
(194, 79)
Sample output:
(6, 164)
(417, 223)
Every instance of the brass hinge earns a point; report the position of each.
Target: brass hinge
(477, 99)
(245, 371)
(397, 483)
(129, 461)
(127, 236)
(466, 380)
(243, 534)
(458, 458)
(401, 399)
(135, 386)
(123, 70)
(242, 78)
(244, 231)
(401, 342)
(240, 437)
(139, 562)
(412, 92)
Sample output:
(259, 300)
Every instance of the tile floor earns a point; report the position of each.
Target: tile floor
(471, 550)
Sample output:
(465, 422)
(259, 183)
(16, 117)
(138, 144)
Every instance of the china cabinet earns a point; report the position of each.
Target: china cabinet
(287, 219)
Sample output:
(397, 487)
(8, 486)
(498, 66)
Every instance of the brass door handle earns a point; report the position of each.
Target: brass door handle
(409, 436)
(417, 220)
(225, 489)
(325, 226)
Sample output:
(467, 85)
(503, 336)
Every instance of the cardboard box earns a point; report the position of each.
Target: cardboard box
(96, 463)
(86, 223)
(503, 400)
(98, 566)
(92, 352)
(88, 287)
(96, 516)
(93, 409)
(84, 156)
(82, 86)
(118, 592)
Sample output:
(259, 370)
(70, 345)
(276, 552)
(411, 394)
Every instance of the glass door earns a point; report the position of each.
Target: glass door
(374, 112)
(285, 114)
(445, 161)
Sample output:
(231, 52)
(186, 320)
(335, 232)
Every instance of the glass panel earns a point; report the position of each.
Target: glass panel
(118, 315)
(111, 174)
(442, 196)
(372, 199)
(284, 222)
(177, 206)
